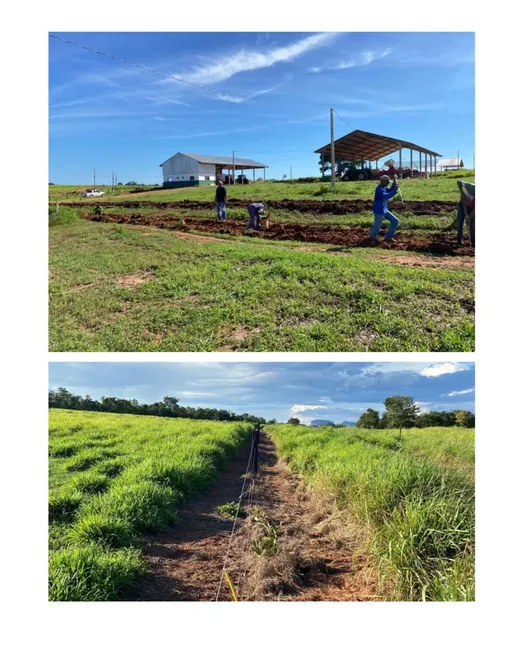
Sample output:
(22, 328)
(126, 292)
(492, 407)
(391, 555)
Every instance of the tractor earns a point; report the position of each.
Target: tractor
(354, 171)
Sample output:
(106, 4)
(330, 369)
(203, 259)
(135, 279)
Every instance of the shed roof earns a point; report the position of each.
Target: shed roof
(222, 160)
(370, 147)
(450, 163)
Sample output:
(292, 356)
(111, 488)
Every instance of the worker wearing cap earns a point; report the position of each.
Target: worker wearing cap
(255, 210)
(380, 208)
(466, 209)
(220, 200)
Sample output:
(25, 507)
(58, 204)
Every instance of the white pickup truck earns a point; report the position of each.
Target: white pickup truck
(92, 192)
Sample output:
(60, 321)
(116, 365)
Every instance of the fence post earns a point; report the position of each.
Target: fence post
(57, 207)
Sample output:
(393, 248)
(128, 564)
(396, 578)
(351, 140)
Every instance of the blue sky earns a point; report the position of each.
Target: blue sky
(269, 98)
(333, 391)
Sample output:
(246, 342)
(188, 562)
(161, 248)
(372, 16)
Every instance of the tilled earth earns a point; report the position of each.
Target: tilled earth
(437, 243)
(333, 207)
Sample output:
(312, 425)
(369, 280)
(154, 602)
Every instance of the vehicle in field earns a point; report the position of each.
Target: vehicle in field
(93, 192)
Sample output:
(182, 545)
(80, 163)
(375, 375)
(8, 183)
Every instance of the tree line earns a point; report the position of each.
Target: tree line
(402, 411)
(169, 407)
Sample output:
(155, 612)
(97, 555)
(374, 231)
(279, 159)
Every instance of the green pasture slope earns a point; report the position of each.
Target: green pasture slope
(114, 478)
(413, 496)
(439, 187)
(123, 288)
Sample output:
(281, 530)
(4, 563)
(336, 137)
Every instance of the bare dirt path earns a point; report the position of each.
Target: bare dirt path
(185, 563)
(313, 540)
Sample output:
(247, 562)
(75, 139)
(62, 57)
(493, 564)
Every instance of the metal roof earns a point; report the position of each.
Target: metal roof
(222, 160)
(370, 147)
(450, 163)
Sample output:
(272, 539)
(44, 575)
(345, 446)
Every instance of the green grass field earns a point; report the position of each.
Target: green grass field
(439, 187)
(114, 478)
(123, 288)
(413, 496)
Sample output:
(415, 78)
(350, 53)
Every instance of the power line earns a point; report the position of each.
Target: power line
(136, 65)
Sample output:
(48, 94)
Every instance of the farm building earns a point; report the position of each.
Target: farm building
(186, 169)
(365, 146)
(450, 164)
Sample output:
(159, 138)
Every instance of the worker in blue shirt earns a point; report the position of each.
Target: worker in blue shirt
(380, 208)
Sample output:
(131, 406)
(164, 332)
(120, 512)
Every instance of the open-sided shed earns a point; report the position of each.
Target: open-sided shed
(366, 146)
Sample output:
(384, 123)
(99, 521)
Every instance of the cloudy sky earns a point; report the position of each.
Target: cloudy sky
(333, 391)
(265, 95)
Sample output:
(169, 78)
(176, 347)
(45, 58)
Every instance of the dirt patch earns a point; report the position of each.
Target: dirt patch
(329, 207)
(317, 554)
(234, 337)
(198, 239)
(131, 280)
(435, 262)
(317, 557)
(442, 243)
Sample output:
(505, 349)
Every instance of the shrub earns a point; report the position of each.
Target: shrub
(92, 574)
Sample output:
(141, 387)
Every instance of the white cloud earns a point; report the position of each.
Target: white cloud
(425, 406)
(363, 59)
(301, 408)
(443, 368)
(197, 394)
(456, 393)
(245, 60)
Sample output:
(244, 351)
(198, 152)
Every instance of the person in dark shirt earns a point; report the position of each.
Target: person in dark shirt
(255, 211)
(466, 210)
(380, 208)
(220, 201)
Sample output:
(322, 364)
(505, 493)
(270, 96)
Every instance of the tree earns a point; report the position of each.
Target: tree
(465, 418)
(401, 411)
(120, 183)
(132, 183)
(293, 420)
(369, 420)
(324, 164)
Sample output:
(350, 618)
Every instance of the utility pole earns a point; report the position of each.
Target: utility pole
(332, 152)
(233, 155)
(94, 179)
(458, 159)
(291, 173)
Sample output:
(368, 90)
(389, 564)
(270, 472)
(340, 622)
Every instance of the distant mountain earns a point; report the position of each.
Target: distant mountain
(347, 423)
(321, 422)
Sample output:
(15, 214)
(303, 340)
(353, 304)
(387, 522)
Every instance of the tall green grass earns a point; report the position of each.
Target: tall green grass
(414, 496)
(114, 478)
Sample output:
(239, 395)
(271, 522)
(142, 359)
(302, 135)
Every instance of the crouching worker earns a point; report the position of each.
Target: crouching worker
(221, 197)
(380, 208)
(255, 212)
(467, 210)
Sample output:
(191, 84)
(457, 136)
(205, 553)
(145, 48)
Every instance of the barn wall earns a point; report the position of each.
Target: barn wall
(181, 170)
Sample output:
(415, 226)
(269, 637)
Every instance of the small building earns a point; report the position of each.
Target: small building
(450, 164)
(186, 169)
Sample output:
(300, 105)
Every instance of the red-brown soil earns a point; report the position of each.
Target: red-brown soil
(333, 207)
(442, 243)
(185, 563)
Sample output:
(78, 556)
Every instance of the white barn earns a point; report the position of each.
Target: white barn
(186, 169)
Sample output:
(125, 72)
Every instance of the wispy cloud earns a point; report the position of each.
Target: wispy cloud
(455, 393)
(363, 59)
(246, 60)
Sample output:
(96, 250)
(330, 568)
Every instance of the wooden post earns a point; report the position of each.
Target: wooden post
(420, 162)
(411, 161)
(253, 175)
(400, 159)
(57, 207)
(425, 159)
(332, 151)
(233, 154)
(264, 173)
